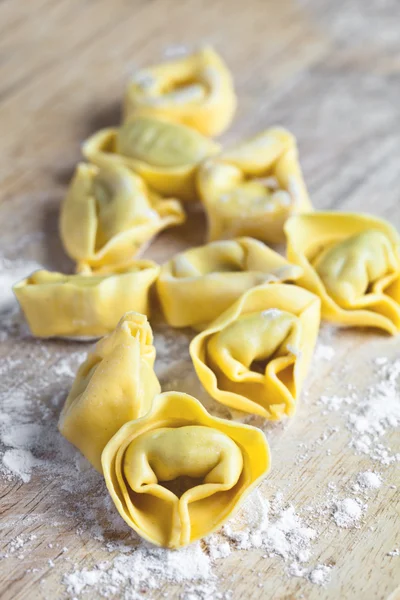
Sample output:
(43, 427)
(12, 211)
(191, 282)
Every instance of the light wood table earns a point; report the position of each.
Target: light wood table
(330, 72)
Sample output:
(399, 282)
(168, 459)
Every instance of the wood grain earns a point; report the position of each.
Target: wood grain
(330, 72)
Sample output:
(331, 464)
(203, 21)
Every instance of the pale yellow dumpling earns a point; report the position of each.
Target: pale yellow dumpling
(253, 188)
(109, 214)
(197, 285)
(114, 385)
(196, 90)
(86, 305)
(165, 154)
(256, 355)
(178, 473)
(352, 262)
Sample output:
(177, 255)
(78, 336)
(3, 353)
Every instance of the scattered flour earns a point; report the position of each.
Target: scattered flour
(276, 529)
(18, 545)
(10, 273)
(369, 480)
(377, 412)
(20, 463)
(272, 527)
(30, 442)
(320, 575)
(347, 513)
(334, 403)
(144, 568)
(371, 413)
(324, 352)
(28, 435)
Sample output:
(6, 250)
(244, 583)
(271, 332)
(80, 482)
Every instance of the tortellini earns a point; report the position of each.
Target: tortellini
(253, 188)
(196, 90)
(352, 262)
(165, 154)
(109, 214)
(256, 355)
(84, 305)
(198, 285)
(178, 473)
(114, 385)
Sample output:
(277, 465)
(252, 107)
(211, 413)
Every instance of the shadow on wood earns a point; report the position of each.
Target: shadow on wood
(55, 257)
(101, 116)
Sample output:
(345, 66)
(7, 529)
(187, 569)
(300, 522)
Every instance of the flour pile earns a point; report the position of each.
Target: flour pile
(347, 513)
(378, 412)
(146, 568)
(269, 526)
(373, 414)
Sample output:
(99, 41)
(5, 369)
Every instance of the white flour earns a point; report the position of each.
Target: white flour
(144, 568)
(12, 272)
(369, 480)
(280, 533)
(31, 395)
(347, 513)
(377, 412)
(20, 462)
(320, 575)
(324, 352)
(273, 528)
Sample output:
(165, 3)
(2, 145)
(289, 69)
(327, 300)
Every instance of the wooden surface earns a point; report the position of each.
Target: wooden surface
(330, 72)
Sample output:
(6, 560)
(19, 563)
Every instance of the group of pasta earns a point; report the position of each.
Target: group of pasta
(174, 472)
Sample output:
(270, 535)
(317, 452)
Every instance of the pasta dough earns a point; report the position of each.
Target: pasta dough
(178, 473)
(87, 305)
(196, 90)
(256, 355)
(165, 154)
(352, 262)
(252, 189)
(196, 286)
(114, 385)
(109, 213)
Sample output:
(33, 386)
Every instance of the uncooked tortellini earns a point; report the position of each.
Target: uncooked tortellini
(255, 356)
(165, 154)
(196, 286)
(195, 90)
(109, 214)
(253, 188)
(114, 385)
(352, 262)
(178, 473)
(84, 305)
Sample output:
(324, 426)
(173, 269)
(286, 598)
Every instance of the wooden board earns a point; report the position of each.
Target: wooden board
(330, 72)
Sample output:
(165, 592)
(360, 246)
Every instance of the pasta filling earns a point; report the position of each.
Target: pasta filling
(349, 269)
(179, 459)
(246, 357)
(161, 143)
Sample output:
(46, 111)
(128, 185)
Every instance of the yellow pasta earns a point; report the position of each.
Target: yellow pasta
(196, 90)
(253, 188)
(178, 473)
(165, 154)
(256, 355)
(109, 214)
(114, 385)
(84, 305)
(198, 285)
(352, 262)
